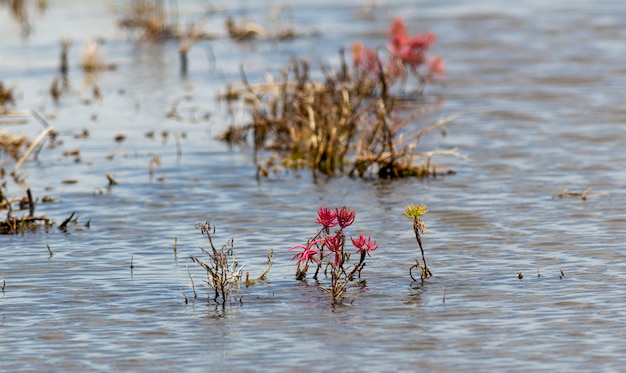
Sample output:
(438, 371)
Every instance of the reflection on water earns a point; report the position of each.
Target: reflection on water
(540, 88)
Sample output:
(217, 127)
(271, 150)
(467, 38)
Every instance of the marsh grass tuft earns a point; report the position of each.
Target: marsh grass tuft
(224, 274)
(12, 144)
(6, 97)
(153, 20)
(245, 30)
(222, 268)
(150, 19)
(343, 123)
(20, 224)
(93, 60)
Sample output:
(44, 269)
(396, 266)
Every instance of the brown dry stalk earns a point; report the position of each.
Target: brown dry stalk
(32, 146)
(12, 144)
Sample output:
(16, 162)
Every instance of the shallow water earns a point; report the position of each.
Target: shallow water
(540, 88)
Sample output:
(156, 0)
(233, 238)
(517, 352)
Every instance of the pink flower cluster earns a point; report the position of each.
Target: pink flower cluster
(406, 53)
(329, 219)
(342, 217)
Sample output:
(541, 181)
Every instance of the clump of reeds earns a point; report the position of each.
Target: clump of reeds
(244, 29)
(343, 124)
(93, 59)
(6, 97)
(414, 213)
(326, 250)
(222, 268)
(12, 144)
(224, 274)
(20, 224)
(19, 12)
(152, 20)
(66, 43)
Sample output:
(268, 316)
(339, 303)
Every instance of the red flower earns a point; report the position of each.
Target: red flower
(334, 244)
(326, 218)
(422, 41)
(364, 244)
(357, 54)
(365, 58)
(345, 217)
(370, 61)
(307, 254)
(398, 35)
(410, 50)
(436, 66)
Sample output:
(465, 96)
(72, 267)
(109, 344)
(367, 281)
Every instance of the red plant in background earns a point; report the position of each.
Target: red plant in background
(405, 53)
(436, 67)
(342, 274)
(410, 50)
(365, 58)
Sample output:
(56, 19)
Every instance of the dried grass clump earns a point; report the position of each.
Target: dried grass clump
(344, 124)
(12, 144)
(9, 143)
(224, 274)
(93, 59)
(152, 21)
(6, 97)
(281, 27)
(20, 224)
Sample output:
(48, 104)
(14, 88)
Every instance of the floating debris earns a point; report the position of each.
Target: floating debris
(119, 137)
(111, 180)
(583, 195)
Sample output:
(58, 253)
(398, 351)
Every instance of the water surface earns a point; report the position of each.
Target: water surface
(540, 88)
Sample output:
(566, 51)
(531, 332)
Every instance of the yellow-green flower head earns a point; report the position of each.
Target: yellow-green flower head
(414, 211)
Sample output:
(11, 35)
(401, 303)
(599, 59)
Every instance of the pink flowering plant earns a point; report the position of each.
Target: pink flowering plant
(405, 54)
(327, 250)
